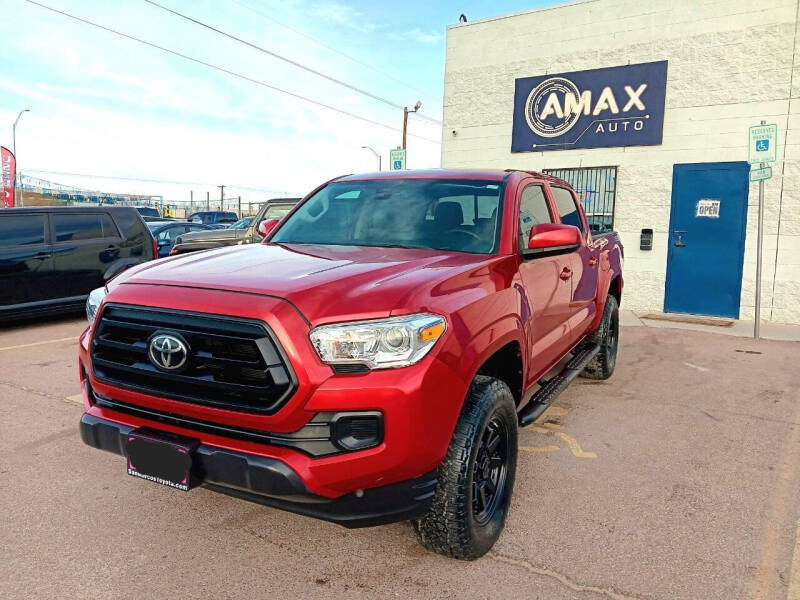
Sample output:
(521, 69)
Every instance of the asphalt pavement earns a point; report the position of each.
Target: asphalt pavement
(678, 478)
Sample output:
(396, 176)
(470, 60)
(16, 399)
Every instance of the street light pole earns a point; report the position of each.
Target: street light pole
(377, 154)
(14, 150)
(417, 106)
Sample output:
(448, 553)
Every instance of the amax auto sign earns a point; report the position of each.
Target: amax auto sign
(618, 106)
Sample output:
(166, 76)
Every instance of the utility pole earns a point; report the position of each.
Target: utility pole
(417, 106)
(405, 125)
(221, 196)
(191, 202)
(208, 200)
(240, 207)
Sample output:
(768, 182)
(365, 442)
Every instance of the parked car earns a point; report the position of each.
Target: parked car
(244, 231)
(165, 232)
(52, 257)
(371, 361)
(147, 211)
(212, 217)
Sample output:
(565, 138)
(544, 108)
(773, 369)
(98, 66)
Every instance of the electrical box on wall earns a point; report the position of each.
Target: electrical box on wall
(646, 240)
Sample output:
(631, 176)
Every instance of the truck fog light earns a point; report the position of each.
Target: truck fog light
(357, 430)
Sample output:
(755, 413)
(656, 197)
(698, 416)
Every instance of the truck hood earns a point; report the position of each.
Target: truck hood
(325, 283)
(213, 235)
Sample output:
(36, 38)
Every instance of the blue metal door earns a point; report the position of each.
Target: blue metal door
(706, 238)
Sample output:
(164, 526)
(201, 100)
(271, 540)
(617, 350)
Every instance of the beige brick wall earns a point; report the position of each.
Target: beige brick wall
(731, 64)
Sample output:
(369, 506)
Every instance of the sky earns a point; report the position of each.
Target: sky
(142, 121)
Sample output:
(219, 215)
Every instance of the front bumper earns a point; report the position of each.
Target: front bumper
(273, 483)
(419, 404)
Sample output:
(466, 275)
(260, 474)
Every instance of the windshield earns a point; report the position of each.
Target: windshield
(462, 216)
(242, 223)
(277, 211)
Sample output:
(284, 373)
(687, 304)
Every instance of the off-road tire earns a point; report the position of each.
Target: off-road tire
(607, 337)
(451, 527)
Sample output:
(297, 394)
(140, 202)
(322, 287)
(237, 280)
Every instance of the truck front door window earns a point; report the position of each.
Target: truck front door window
(533, 210)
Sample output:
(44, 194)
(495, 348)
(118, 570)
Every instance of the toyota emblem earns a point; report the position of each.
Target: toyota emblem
(168, 351)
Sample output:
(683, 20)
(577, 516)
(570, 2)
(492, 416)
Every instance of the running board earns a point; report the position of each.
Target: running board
(550, 389)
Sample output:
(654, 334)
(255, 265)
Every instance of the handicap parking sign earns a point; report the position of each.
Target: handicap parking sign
(397, 159)
(763, 147)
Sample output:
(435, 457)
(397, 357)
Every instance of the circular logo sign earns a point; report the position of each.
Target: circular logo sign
(168, 352)
(546, 116)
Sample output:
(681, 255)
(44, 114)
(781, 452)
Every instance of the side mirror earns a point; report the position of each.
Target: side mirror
(265, 227)
(549, 238)
(163, 243)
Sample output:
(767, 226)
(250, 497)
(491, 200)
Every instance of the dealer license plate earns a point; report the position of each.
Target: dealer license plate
(161, 457)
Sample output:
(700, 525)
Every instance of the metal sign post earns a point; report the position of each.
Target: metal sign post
(763, 148)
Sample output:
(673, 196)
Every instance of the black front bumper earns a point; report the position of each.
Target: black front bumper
(273, 483)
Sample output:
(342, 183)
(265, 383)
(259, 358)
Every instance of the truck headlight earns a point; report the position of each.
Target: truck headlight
(93, 303)
(380, 344)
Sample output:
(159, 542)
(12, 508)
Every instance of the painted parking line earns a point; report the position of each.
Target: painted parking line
(794, 581)
(76, 399)
(66, 339)
(549, 424)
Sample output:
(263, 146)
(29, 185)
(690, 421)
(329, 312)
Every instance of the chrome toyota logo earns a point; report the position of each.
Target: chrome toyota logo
(168, 352)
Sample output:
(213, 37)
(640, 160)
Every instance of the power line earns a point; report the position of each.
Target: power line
(227, 71)
(287, 60)
(165, 181)
(318, 41)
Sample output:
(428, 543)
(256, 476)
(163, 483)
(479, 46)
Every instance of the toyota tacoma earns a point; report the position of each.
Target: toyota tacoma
(371, 361)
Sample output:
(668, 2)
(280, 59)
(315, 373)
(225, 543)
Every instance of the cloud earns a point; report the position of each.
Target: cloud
(416, 35)
(344, 14)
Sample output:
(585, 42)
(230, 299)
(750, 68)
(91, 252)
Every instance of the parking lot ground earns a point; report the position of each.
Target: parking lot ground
(678, 478)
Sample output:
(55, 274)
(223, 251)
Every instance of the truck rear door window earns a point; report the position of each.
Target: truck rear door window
(21, 230)
(567, 208)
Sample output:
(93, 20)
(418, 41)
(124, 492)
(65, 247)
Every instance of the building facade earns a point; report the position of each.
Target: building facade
(645, 106)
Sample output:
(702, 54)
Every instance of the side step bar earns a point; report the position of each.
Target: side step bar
(550, 389)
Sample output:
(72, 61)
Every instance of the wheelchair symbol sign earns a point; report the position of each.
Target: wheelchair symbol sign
(397, 165)
(763, 144)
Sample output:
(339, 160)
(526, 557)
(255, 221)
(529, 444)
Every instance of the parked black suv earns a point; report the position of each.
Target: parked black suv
(52, 257)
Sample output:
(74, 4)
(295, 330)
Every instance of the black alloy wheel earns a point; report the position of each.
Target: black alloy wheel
(489, 471)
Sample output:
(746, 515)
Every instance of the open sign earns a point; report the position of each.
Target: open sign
(708, 207)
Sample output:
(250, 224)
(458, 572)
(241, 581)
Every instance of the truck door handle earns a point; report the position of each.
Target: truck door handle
(566, 273)
(593, 261)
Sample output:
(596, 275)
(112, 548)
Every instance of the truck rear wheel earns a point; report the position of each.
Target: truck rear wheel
(607, 337)
(476, 478)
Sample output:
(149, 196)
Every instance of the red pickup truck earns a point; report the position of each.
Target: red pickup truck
(371, 361)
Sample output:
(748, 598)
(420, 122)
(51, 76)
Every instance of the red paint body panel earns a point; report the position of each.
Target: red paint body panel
(488, 302)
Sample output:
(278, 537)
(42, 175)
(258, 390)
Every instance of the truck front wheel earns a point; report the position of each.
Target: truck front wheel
(476, 477)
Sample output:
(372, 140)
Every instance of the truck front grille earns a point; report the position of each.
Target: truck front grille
(233, 363)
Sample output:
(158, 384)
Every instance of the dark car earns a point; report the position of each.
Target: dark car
(244, 231)
(165, 232)
(52, 257)
(211, 217)
(147, 211)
